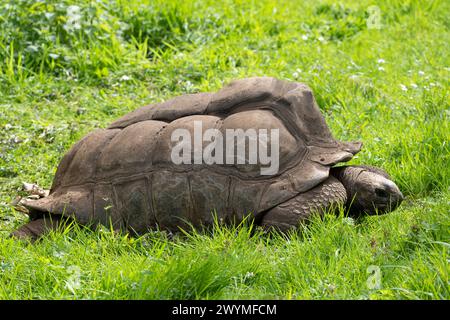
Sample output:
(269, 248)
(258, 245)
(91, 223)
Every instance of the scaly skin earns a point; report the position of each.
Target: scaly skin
(329, 195)
(361, 189)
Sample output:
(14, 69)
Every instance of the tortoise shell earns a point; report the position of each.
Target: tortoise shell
(124, 174)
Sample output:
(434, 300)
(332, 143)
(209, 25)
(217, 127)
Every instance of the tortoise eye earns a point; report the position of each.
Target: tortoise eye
(381, 193)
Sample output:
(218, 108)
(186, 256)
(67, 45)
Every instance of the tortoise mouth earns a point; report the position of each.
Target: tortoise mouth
(383, 208)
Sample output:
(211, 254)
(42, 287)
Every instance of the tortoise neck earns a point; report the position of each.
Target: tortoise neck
(348, 175)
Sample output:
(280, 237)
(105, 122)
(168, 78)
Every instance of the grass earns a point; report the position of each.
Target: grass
(67, 70)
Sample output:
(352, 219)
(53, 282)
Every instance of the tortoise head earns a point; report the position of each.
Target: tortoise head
(370, 190)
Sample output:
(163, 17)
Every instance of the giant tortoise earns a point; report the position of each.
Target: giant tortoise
(125, 176)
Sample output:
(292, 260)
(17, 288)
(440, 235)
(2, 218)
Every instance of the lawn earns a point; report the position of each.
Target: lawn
(379, 71)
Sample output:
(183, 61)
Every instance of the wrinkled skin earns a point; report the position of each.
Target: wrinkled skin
(369, 190)
(360, 189)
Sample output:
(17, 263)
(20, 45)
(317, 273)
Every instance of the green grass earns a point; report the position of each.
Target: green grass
(60, 78)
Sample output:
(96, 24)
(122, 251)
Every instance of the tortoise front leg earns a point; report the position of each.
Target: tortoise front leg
(327, 196)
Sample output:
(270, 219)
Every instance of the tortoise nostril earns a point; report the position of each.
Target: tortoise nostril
(381, 193)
